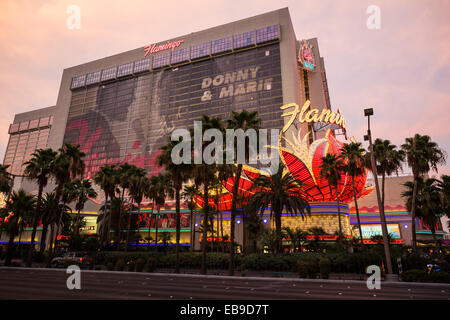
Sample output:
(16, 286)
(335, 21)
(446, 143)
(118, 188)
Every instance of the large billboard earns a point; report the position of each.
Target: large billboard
(129, 120)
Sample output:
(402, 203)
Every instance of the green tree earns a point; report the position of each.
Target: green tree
(189, 195)
(352, 155)
(422, 155)
(279, 192)
(331, 169)
(243, 120)
(106, 179)
(39, 169)
(296, 236)
(138, 186)
(82, 191)
(21, 207)
(428, 202)
(179, 173)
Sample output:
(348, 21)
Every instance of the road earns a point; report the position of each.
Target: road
(21, 283)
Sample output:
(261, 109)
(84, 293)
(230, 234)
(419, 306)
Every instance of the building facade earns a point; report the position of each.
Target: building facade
(124, 107)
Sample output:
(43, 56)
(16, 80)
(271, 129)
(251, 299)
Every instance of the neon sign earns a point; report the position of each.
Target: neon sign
(306, 56)
(305, 114)
(154, 48)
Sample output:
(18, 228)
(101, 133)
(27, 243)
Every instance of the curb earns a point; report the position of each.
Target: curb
(201, 276)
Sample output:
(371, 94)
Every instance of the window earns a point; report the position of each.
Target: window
(14, 127)
(244, 39)
(44, 122)
(161, 60)
(23, 125)
(33, 124)
(267, 34)
(78, 81)
(108, 74)
(180, 55)
(142, 65)
(221, 45)
(125, 69)
(201, 50)
(93, 77)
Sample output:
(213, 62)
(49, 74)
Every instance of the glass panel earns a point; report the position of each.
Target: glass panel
(201, 50)
(33, 124)
(108, 74)
(78, 81)
(244, 39)
(44, 121)
(221, 45)
(180, 55)
(93, 77)
(142, 65)
(125, 69)
(267, 34)
(14, 127)
(161, 60)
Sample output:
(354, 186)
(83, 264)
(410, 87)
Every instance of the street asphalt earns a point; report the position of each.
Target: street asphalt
(37, 284)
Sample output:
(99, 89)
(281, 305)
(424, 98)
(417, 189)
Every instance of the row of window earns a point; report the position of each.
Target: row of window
(242, 40)
(30, 125)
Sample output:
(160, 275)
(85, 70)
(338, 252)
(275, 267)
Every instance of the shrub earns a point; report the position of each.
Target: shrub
(120, 265)
(325, 268)
(110, 266)
(439, 277)
(307, 268)
(97, 267)
(151, 264)
(131, 265)
(140, 264)
(414, 275)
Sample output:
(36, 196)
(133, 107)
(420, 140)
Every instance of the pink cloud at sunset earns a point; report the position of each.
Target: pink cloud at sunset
(401, 70)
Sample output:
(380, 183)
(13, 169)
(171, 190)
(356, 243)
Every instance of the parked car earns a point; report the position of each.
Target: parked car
(76, 257)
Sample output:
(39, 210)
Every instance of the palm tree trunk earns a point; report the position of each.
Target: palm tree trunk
(413, 213)
(50, 248)
(108, 234)
(357, 211)
(10, 248)
(156, 228)
(77, 223)
(150, 224)
(37, 214)
(233, 217)
(128, 227)
(191, 220)
(339, 212)
(205, 228)
(119, 220)
(43, 234)
(278, 231)
(177, 226)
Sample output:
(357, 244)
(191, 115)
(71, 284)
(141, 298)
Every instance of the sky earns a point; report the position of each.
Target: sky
(402, 69)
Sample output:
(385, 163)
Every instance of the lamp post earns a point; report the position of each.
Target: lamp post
(390, 275)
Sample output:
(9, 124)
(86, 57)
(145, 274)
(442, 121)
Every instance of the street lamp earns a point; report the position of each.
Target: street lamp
(390, 275)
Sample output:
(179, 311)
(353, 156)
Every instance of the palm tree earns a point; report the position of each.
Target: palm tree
(280, 192)
(444, 185)
(158, 188)
(428, 202)
(82, 191)
(39, 168)
(244, 120)
(21, 207)
(5, 185)
(296, 236)
(331, 169)
(137, 187)
(125, 172)
(179, 174)
(352, 155)
(389, 161)
(190, 194)
(69, 164)
(106, 179)
(5, 179)
(422, 155)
